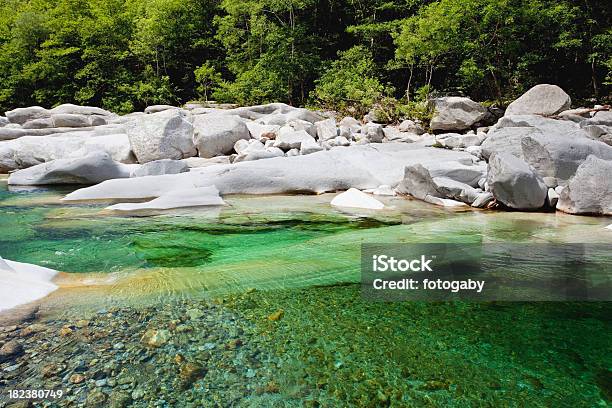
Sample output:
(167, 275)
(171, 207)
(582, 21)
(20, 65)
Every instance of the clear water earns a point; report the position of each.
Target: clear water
(297, 250)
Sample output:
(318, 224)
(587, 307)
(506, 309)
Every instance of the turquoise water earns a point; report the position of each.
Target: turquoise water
(335, 349)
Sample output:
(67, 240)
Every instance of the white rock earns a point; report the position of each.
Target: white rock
(590, 190)
(543, 99)
(23, 115)
(356, 199)
(192, 197)
(383, 190)
(443, 202)
(163, 135)
(326, 129)
(339, 168)
(310, 146)
(410, 126)
(483, 199)
(372, 133)
(71, 109)
(160, 167)
(32, 150)
(91, 169)
(22, 283)
(158, 108)
(609, 227)
(514, 183)
(216, 135)
(241, 145)
(195, 162)
(552, 198)
(291, 139)
(456, 113)
(258, 130)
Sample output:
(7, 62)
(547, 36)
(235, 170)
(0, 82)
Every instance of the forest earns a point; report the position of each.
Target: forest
(345, 55)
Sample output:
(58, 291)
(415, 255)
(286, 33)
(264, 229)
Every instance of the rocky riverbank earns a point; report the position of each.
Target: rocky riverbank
(539, 155)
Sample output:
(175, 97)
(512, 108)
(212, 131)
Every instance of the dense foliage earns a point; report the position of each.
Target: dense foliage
(336, 54)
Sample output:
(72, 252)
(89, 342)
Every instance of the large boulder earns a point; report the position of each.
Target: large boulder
(340, 168)
(183, 198)
(216, 135)
(326, 129)
(507, 134)
(559, 157)
(91, 169)
(590, 190)
(419, 183)
(258, 130)
(163, 135)
(33, 150)
(456, 113)
(23, 115)
(292, 139)
(160, 167)
(71, 109)
(514, 183)
(543, 99)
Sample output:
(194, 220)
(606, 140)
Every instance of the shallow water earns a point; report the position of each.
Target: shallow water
(298, 251)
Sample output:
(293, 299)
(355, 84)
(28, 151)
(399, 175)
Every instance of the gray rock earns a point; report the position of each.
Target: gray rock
(601, 118)
(419, 183)
(455, 140)
(372, 133)
(159, 167)
(259, 154)
(340, 168)
(71, 109)
(543, 99)
(163, 135)
(91, 169)
(258, 130)
(29, 151)
(293, 152)
(158, 108)
(10, 350)
(297, 125)
(326, 129)
(559, 157)
(3, 121)
(410, 126)
(483, 199)
(514, 183)
(456, 113)
(216, 135)
(23, 115)
(590, 190)
(551, 182)
(291, 139)
(73, 120)
(310, 146)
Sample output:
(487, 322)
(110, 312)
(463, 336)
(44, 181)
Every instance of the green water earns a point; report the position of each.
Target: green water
(299, 252)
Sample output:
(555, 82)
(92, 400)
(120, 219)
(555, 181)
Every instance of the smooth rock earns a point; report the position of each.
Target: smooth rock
(287, 140)
(23, 115)
(456, 113)
(590, 190)
(410, 126)
(22, 283)
(372, 133)
(310, 146)
(164, 135)
(356, 199)
(191, 197)
(543, 99)
(514, 183)
(71, 109)
(258, 130)
(483, 199)
(91, 169)
(339, 168)
(158, 108)
(159, 167)
(556, 156)
(455, 140)
(326, 129)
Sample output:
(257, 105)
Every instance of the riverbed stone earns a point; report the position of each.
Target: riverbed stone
(159, 167)
(354, 198)
(590, 190)
(514, 183)
(456, 113)
(164, 135)
(326, 129)
(542, 99)
(91, 169)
